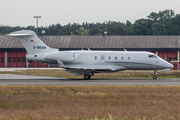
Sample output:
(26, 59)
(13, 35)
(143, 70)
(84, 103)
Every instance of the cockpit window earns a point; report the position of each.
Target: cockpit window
(152, 56)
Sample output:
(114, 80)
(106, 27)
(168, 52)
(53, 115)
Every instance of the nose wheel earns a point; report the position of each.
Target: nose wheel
(154, 76)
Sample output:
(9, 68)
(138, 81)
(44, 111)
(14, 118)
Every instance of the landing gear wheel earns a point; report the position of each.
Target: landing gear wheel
(154, 76)
(86, 77)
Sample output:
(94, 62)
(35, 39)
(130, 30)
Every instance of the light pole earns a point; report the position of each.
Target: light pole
(37, 22)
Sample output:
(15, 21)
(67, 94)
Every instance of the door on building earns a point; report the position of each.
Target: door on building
(11, 56)
(33, 63)
(2, 57)
(42, 64)
(21, 59)
(163, 55)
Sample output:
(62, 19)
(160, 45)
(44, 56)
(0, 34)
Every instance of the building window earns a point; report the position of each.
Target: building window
(23, 59)
(19, 59)
(109, 58)
(14, 59)
(30, 61)
(2, 59)
(170, 58)
(165, 58)
(175, 58)
(95, 57)
(122, 58)
(115, 58)
(9, 59)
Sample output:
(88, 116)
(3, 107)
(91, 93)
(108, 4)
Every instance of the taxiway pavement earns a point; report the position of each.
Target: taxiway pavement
(12, 79)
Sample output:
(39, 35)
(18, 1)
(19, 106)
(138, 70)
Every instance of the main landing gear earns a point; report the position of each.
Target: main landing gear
(88, 76)
(154, 76)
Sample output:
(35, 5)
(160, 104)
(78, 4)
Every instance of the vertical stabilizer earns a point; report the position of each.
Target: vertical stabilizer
(31, 42)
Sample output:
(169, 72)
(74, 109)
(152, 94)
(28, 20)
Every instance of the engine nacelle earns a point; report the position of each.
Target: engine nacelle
(63, 56)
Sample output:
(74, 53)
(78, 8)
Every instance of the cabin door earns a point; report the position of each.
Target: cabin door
(74, 55)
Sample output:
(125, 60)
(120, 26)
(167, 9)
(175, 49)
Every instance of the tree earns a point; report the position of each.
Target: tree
(82, 31)
(99, 34)
(128, 23)
(165, 14)
(140, 27)
(72, 33)
(158, 29)
(175, 25)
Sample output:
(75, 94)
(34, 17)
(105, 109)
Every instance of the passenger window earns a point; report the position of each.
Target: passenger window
(95, 57)
(115, 58)
(122, 58)
(128, 58)
(109, 58)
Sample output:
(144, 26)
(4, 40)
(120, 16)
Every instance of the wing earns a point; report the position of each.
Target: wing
(93, 69)
(89, 69)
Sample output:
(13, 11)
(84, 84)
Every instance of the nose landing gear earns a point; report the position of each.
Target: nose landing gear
(154, 76)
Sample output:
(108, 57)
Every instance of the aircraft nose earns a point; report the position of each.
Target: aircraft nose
(170, 65)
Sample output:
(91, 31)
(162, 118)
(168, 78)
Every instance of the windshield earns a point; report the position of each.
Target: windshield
(153, 56)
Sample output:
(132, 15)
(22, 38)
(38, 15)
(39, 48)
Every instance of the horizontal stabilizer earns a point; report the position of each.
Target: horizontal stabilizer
(19, 35)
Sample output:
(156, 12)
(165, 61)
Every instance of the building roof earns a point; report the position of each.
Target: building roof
(99, 41)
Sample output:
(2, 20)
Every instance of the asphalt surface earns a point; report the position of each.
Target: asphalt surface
(11, 79)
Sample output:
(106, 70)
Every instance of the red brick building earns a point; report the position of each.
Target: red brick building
(12, 53)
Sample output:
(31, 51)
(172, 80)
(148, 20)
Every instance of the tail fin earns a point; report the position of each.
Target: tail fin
(31, 42)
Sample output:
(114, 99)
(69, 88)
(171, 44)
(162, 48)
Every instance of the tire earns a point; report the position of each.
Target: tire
(154, 77)
(87, 77)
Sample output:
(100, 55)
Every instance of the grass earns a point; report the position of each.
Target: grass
(90, 102)
(117, 75)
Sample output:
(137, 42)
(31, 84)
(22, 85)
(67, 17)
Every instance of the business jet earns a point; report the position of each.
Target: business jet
(87, 62)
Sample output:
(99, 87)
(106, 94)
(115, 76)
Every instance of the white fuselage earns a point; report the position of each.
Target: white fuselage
(111, 60)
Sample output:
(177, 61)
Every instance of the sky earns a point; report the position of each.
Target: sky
(21, 12)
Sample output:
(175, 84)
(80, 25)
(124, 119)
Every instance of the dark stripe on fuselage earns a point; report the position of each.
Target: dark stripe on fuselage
(133, 63)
